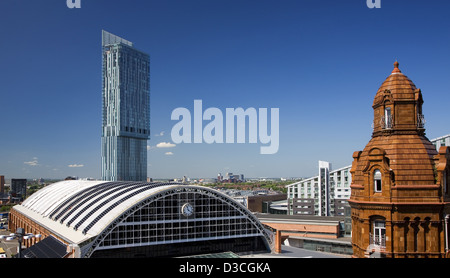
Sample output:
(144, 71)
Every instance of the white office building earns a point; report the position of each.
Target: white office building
(324, 195)
(441, 141)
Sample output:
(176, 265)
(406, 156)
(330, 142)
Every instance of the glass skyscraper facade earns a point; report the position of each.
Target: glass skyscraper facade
(126, 110)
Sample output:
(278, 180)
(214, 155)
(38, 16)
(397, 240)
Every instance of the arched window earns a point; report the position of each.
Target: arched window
(377, 180)
(387, 118)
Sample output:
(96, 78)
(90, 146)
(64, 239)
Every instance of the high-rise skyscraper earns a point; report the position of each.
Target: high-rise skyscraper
(2, 185)
(126, 110)
(19, 188)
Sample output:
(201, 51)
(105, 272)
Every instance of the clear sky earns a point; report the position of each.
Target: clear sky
(319, 61)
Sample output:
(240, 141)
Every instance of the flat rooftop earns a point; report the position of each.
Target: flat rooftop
(298, 218)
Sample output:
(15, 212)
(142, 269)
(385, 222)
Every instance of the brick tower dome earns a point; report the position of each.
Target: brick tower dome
(399, 134)
(399, 196)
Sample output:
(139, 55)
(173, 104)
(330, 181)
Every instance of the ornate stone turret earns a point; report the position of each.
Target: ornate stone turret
(399, 188)
(398, 106)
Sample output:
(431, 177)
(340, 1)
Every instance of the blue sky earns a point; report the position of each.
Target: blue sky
(319, 61)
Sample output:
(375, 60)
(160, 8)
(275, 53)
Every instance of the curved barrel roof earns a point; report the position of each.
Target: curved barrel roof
(79, 211)
(86, 207)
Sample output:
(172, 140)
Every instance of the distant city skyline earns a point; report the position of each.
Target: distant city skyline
(319, 62)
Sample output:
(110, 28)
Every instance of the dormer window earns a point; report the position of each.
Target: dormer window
(377, 181)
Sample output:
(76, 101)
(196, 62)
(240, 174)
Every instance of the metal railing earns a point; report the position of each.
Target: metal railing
(386, 122)
(378, 240)
(420, 121)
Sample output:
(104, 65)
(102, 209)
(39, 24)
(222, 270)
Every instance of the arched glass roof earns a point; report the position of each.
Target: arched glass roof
(88, 206)
(85, 211)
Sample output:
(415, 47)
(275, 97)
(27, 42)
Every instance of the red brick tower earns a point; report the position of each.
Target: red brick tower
(400, 183)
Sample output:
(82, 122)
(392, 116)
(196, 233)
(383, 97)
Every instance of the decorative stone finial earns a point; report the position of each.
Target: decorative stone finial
(396, 69)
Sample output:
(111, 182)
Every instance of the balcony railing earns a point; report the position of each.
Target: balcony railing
(420, 121)
(379, 241)
(386, 122)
